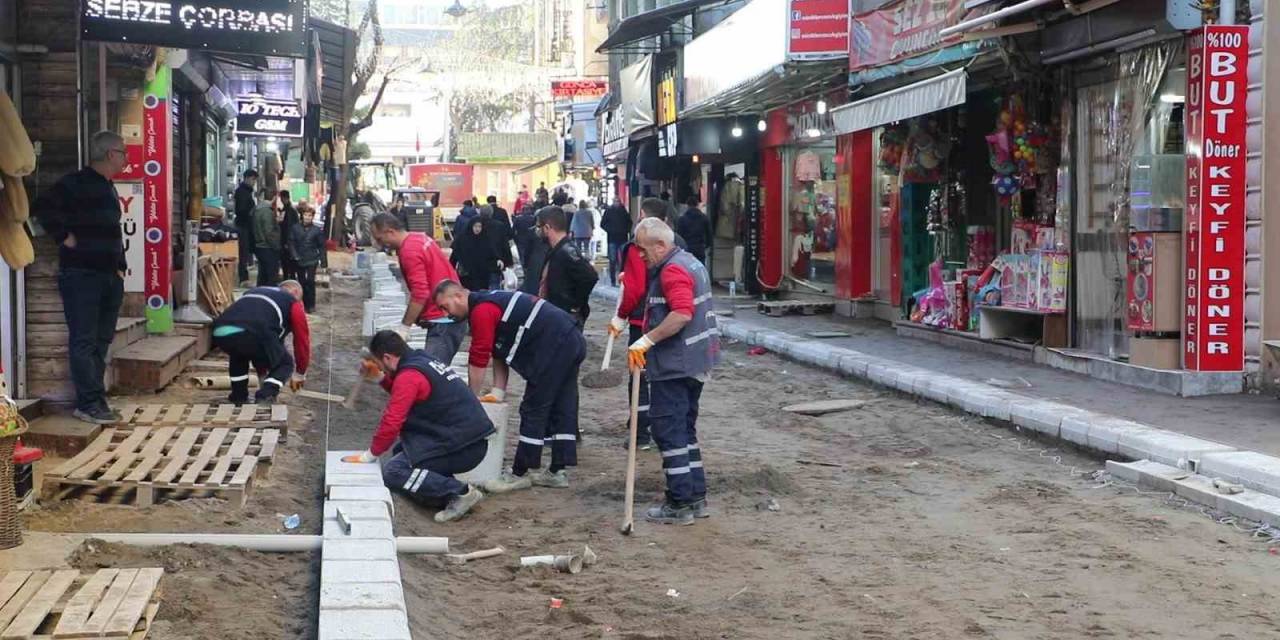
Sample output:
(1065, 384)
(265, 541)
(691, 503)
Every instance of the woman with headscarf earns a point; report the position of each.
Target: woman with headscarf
(475, 257)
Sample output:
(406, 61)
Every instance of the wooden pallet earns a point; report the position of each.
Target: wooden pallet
(170, 459)
(108, 603)
(783, 307)
(229, 415)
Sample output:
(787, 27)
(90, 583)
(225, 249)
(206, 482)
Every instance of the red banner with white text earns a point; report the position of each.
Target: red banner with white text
(900, 30)
(157, 209)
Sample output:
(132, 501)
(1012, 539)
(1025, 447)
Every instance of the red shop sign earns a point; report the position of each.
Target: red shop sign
(901, 30)
(819, 29)
(579, 88)
(156, 208)
(1217, 81)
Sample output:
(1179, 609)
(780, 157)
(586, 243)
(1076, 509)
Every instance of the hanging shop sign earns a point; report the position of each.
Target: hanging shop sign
(156, 187)
(572, 89)
(900, 30)
(751, 253)
(636, 93)
(1217, 81)
(264, 27)
(812, 125)
(819, 29)
(613, 131)
(665, 110)
(262, 117)
(131, 196)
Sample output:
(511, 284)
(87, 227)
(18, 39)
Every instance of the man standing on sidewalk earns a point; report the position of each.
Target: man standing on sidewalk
(616, 223)
(680, 346)
(545, 346)
(433, 425)
(82, 213)
(267, 217)
(244, 204)
(424, 267)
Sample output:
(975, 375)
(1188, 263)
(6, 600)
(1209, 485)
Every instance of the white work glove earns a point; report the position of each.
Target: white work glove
(296, 382)
(403, 331)
(617, 326)
(636, 352)
(495, 395)
(364, 457)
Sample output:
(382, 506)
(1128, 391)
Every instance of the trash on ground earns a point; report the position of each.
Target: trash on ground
(673, 593)
(757, 351)
(291, 522)
(1015, 383)
(828, 334)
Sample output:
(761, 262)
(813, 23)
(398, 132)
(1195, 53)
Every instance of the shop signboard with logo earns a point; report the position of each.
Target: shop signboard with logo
(131, 196)
(819, 29)
(263, 27)
(901, 30)
(578, 89)
(613, 131)
(156, 191)
(666, 99)
(1214, 221)
(258, 116)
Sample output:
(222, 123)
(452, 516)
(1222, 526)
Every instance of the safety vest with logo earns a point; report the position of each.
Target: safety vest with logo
(530, 331)
(263, 311)
(449, 420)
(696, 349)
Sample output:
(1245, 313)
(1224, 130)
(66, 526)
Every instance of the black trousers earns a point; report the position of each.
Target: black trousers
(289, 268)
(91, 305)
(549, 411)
(268, 356)
(307, 278)
(268, 267)
(246, 252)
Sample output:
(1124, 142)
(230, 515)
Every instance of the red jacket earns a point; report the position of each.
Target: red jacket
(635, 286)
(407, 388)
(424, 266)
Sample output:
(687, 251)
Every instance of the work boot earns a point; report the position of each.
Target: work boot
(700, 509)
(93, 416)
(670, 513)
(237, 400)
(264, 401)
(544, 478)
(643, 442)
(459, 505)
(507, 482)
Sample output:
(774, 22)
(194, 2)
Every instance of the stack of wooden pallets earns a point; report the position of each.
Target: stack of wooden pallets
(108, 603)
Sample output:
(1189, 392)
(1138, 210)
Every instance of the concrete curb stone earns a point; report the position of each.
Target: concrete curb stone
(1254, 470)
(361, 596)
(363, 624)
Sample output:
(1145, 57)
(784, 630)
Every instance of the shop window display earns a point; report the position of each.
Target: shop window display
(811, 215)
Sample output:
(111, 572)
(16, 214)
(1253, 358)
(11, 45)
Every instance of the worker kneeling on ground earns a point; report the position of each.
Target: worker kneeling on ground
(680, 345)
(435, 423)
(252, 330)
(544, 345)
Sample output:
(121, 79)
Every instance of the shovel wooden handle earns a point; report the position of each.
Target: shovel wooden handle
(627, 518)
(460, 558)
(608, 347)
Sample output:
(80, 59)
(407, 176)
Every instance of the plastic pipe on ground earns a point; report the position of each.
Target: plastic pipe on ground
(260, 542)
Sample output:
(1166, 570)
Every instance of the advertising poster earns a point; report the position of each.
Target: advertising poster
(157, 191)
(131, 210)
(818, 29)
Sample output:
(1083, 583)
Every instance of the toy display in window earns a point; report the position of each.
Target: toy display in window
(926, 149)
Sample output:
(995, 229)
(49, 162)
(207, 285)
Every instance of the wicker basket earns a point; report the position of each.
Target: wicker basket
(10, 523)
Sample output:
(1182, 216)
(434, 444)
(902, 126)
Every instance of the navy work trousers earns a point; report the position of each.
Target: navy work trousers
(432, 483)
(269, 358)
(673, 417)
(549, 411)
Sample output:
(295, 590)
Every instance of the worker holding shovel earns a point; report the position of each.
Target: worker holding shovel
(680, 345)
(433, 425)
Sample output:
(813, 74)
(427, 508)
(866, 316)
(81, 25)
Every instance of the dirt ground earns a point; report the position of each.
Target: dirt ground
(917, 523)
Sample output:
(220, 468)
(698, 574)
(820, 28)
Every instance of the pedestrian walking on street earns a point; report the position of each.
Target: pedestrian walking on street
(474, 257)
(424, 266)
(583, 226)
(464, 218)
(433, 426)
(616, 223)
(499, 213)
(307, 246)
(268, 244)
(517, 331)
(499, 233)
(522, 228)
(252, 331)
(81, 211)
(695, 227)
(680, 345)
(244, 205)
(568, 277)
(290, 220)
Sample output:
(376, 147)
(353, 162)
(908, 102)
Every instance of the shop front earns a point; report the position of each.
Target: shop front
(12, 296)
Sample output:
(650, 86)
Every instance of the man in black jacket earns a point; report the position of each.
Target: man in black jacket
(567, 278)
(498, 212)
(244, 220)
(616, 222)
(695, 227)
(526, 241)
(82, 213)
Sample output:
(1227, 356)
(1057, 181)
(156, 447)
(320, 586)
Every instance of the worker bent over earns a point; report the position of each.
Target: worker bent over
(423, 265)
(435, 423)
(543, 344)
(252, 330)
(680, 346)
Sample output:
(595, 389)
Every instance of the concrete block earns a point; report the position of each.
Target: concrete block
(1198, 489)
(964, 395)
(1168, 447)
(379, 494)
(352, 480)
(1154, 475)
(935, 387)
(361, 596)
(360, 529)
(333, 464)
(907, 378)
(1105, 433)
(361, 550)
(1075, 427)
(774, 341)
(1256, 471)
(357, 509)
(491, 466)
(352, 571)
(854, 365)
(363, 624)
(1252, 505)
(999, 405)
(882, 372)
(809, 353)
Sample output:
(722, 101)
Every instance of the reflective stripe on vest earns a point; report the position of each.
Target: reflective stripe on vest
(279, 313)
(515, 344)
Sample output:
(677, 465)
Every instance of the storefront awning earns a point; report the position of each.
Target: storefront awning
(651, 23)
(780, 86)
(935, 94)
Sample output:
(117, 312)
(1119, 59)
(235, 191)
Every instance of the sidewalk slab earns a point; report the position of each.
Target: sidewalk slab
(1253, 470)
(362, 550)
(363, 624)
(379, 494)
(361, 596)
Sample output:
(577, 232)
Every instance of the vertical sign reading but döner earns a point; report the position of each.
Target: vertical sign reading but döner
(156, 187)
(1217, 87)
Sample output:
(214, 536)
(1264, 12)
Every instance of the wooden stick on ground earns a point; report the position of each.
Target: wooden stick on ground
(463, 558)
(628, 524)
